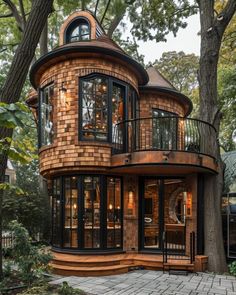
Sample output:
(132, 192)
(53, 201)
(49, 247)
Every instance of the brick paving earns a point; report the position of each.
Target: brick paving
(146, 282)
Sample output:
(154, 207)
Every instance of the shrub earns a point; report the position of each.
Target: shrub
(232, 268)
(67, 290)
(31, 260)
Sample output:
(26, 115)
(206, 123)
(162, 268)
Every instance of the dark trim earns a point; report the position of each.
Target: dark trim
(183, 98)
(64, 52)
(200, 214)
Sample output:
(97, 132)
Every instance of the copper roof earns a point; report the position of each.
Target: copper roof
(156, 79)
(102, 41)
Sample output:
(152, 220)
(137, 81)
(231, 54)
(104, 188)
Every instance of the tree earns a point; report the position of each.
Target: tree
(31, 208)
(227, 97)
(181, 70)
(213, 27)
(13, 84)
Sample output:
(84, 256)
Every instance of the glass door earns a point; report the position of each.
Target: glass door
(152, 210)
(163, 209)
(91, 215)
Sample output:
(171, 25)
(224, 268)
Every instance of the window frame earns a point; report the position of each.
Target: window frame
(76, 22)
(60, 239)
(110, 82)
(174, 133)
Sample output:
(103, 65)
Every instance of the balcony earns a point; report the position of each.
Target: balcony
(154, 139)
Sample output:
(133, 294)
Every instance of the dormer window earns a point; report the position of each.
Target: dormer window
(78, 30)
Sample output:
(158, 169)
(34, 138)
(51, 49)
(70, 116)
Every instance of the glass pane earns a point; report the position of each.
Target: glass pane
(56, 215)
(84, 29)
(94, 112)
(151, 214)
(113, 213)
(164, 130)
(175, 198)
(117, 114)
(91, 212)
(46, 112)
(71, 212)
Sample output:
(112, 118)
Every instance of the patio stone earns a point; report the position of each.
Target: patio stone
(146, 282)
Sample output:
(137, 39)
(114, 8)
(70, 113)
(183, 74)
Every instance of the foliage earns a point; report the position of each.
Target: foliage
(227, 98)
(67, 290)
(31, 208)
(181, 70)
(232, 268)
(31, 260)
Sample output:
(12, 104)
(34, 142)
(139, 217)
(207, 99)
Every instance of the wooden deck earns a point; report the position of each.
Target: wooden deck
(101, 265)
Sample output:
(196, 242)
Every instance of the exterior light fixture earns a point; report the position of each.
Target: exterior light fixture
(189, 201)
(131, 196)
(63, 91)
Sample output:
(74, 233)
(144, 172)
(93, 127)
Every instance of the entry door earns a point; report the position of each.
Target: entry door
(162, 209)
(152, 213)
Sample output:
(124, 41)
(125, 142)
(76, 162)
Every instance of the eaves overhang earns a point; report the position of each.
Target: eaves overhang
(181, 97)
(67, 52)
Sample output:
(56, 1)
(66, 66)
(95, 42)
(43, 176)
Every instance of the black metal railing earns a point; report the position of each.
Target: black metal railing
(175, 246)
(164, 133)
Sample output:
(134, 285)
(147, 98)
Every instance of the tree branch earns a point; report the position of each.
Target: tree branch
(22, 10)
(224, 17)
(6, 15)
(15, 13)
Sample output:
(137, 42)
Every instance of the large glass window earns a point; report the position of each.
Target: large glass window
(79, 30)
(164, 130)
(102, 109)
(46, 116)
(87, 212)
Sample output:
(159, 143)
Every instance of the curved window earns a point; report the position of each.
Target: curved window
(46, 116)
(87, 212)
(78, 30)
(103, 106)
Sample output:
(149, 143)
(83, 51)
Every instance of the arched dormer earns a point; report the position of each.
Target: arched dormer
(77, 30)
(79, 26)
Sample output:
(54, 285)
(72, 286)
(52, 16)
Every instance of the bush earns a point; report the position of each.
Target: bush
(31, 260)
(67, 290)
(232, 268)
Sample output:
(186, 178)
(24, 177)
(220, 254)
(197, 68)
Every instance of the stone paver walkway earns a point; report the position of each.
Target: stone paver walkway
(145, 282)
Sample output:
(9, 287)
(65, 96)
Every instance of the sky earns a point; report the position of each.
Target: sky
(187, 40)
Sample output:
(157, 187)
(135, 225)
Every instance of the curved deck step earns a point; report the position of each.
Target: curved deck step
(89, 271)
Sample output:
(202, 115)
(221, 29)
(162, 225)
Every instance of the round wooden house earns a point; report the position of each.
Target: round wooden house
(123, 162)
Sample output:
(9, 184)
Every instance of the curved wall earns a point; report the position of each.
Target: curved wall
(67, 153)
(155, 100)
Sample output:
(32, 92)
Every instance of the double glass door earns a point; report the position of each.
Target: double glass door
(162, 210)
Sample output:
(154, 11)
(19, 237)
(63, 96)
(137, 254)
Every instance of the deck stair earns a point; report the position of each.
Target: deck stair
(102, 265)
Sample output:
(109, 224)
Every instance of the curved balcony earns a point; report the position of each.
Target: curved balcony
(187, 139)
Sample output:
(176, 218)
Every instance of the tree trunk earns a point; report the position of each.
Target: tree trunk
(43, 42)
(11, 90)
(210, 45)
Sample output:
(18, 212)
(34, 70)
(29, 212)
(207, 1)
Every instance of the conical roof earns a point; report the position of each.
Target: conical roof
(156, 79)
